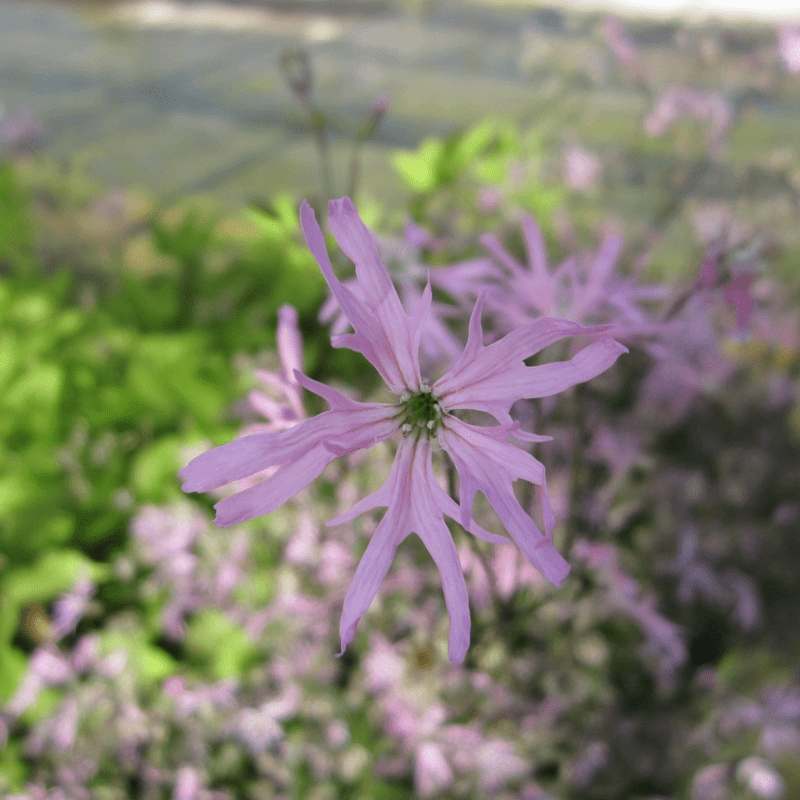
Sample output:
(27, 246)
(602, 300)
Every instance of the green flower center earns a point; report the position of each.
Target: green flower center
(420, 412)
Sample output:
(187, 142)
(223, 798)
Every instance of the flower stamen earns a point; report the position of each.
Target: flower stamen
(420, 410)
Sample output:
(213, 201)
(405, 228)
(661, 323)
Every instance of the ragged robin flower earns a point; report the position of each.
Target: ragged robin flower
(421, 419)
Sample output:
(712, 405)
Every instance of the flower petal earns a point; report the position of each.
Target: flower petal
(358, 244)
(549, 379)
(486, 463)
(275, 490)
(493, 378)
(479, 362)
(378, 556)
(303, 451)
(384, 333)
(410, 494)
(431, 528)
(240, 459)
(537, 255)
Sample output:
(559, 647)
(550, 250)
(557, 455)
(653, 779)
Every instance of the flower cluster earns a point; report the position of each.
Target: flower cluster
(486, 378)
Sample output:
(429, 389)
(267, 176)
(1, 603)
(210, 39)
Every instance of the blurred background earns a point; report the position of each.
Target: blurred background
(153, 156)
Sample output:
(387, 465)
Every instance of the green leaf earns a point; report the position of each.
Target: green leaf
(420, 169)
(12, 667)
(13, 771)
(55, 572)
(148, 663)
(15, 491)
(154, 469)
(220, 642)
(34, 396)
(16, 230)
(9, 356)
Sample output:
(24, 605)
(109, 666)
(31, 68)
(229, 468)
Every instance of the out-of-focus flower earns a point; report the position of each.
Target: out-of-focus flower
(46, 667)
(789, 47)
(664, 640)
(488, 379)
(20, 132)
(624, 50)
(683, 101)
(166, 535)
(258, 729)
(70, 608)
(191, 701)
(776, 714)
(443, 752)
(288, 411)
(432, 773)
(165, 538)
(690, 362)
(729, 589)
(584, 288)
(737, 294)
(581, 168)
(761, 778)
(188, 783)
(711, 783)
(496, 762)
(736, 280)
(593, 758)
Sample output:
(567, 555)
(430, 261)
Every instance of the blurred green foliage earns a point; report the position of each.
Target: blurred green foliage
(97, 395)
(494, 154)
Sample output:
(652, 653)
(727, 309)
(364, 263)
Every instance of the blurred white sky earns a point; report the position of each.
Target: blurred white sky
(766, 10)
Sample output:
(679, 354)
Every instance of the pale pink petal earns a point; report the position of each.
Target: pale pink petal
(268, 408)
(362, 426)
(380, 551)
(369, 339)
(486, 463)
(737, 293)
(302, 451)
(359, 245)
(290, 343)
(491, 243)
(448, 506)
(411, 507)
(384, 333)
(464, 280)
(445, 504)
(235, 460)
(549, 379)
(432, 773)
(305, 465)
(491, 378)
(431, 528)
(537, 254)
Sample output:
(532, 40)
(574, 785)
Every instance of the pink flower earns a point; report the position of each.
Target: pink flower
(624, 50)
(583, 288)
(432, 773)
(20, 132)
(282, 414)
(485, 378)
(683, 101)
(581, 168)
(70, 607)
(737, 294)
(46, 667)
(402, 256)
(789, 47)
